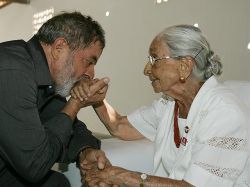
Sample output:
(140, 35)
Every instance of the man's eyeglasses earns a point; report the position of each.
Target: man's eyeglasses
(152, 59)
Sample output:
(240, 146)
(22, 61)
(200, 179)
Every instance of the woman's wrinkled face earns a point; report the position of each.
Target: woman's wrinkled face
(163, 74)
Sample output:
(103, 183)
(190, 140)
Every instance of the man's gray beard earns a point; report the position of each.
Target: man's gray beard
(64, 81)
(64, 90)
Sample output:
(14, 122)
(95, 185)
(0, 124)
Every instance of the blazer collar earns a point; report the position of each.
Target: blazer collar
(42, 73)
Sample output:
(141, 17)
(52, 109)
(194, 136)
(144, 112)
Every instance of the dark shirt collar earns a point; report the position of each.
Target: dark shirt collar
(43, 76)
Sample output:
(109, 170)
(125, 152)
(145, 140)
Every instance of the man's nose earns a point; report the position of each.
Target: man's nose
(91, 71)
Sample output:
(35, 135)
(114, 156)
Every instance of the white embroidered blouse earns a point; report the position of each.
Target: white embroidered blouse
(217, 143)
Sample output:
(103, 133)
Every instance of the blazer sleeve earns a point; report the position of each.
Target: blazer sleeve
(80, 137)
(26, 145)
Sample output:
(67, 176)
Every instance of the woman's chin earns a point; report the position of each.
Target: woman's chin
(157, 89)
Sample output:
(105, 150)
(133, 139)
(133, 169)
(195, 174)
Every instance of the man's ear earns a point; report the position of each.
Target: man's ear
(58, 46)
(185, 68)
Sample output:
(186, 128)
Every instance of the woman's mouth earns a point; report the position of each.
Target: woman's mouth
(153, 80)
(156, 85)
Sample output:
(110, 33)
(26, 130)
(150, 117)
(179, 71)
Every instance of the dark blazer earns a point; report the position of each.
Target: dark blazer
(34, 134)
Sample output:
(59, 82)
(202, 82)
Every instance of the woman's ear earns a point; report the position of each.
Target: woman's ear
(185, 68)
(57, 47)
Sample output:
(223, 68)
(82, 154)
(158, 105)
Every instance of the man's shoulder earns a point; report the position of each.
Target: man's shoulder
(14, 55)
(13, 45)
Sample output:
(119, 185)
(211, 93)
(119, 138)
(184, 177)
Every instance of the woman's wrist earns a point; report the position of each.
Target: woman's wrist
(98, 104)
(143, 177)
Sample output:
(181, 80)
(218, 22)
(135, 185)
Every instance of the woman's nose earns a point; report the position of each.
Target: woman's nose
(147, 69)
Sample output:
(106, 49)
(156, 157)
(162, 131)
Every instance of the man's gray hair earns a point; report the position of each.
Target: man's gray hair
(77, 29)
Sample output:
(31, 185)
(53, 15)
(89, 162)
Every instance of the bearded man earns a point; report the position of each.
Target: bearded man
(38, 126)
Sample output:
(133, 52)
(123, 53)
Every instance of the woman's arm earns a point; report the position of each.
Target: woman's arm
(117, 125)
(122, 177)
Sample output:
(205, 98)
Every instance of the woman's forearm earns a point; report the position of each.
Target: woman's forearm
(131, 179)
(116, 124)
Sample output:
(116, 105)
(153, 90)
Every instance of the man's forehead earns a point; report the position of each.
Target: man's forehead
(92, 52)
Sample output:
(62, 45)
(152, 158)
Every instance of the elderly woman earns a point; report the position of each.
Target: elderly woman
(199, 127)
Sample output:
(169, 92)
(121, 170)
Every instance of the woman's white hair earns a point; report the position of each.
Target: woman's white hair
(187, 40)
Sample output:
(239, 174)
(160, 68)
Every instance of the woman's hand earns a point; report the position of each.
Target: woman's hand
(110, 176)
(116, 176)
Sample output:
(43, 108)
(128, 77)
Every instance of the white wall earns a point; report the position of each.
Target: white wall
(131, 26)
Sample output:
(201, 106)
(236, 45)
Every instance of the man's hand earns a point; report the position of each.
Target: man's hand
(86, 92)
(90, 92)
(92, 160)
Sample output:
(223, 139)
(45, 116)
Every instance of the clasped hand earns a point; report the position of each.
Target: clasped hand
(92, 162)
(90, 91)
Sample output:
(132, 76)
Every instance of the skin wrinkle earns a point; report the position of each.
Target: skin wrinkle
(161, 76)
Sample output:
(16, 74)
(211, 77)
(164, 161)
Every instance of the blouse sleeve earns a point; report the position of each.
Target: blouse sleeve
(146, 119)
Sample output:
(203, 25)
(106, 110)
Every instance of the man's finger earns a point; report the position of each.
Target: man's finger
(103, 184)
(99, 85)
(103, 90)
(102, 161)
